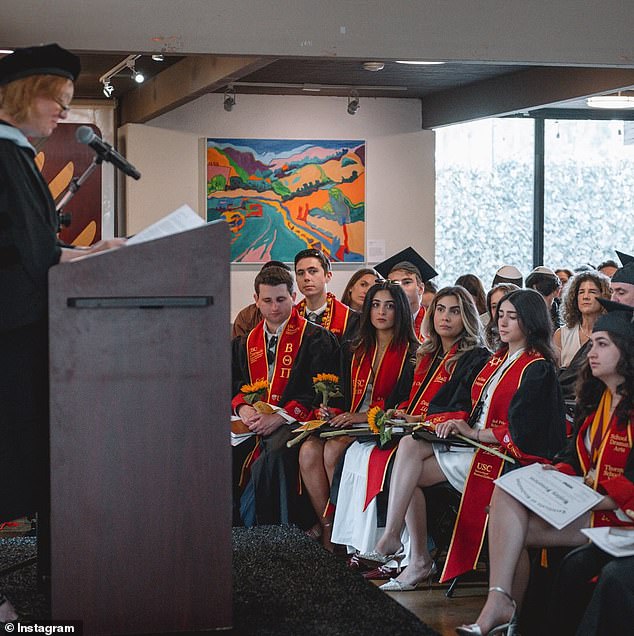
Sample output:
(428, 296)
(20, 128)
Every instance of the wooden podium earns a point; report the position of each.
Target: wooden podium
(140, 454)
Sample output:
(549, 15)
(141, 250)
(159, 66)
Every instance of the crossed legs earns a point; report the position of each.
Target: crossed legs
(415, 467)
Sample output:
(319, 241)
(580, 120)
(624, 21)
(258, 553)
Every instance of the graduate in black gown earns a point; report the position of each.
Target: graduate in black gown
(284, 351)
(36, 88)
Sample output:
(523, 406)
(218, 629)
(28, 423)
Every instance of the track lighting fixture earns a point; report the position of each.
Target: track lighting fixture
(353, 102)
(158, 57)
(230, 98)
(108, 88)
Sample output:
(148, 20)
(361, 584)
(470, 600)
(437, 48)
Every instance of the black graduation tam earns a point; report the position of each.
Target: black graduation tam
(410, 256)
(50, 59)
(624, 258)
(619, 319)
(625, 274)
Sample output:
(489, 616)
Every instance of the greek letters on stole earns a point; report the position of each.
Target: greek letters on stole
(470, 526)
(289, 343)
(610, 447)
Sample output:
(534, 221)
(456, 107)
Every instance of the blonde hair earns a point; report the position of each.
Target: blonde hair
(16, 98)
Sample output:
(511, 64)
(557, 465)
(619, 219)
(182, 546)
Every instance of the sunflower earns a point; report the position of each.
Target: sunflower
(254, 392)
(374, 415)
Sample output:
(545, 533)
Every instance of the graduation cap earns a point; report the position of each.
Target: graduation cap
(625, 274)
(50, 59)
(618, 320)
(409, 260)
(624, 258)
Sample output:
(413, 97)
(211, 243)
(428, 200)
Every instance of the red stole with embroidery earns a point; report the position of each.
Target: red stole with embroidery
(424, 387)
(470, 526)
(335, 316)
(610, 446)
(387, 374)
(287, 347)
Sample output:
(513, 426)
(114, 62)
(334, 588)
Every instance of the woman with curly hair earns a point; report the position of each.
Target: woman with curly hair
(601, 453)
(580, 311)
(376, 370)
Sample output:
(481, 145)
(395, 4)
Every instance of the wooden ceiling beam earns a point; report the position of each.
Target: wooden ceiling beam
(521, 91)
(182, 83)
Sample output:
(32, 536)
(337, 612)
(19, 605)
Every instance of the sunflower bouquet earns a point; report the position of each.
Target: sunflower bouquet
(328, 385)
(254, 392)
(378, 421)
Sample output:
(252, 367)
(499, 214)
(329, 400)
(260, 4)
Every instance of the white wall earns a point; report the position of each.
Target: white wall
(399, 172)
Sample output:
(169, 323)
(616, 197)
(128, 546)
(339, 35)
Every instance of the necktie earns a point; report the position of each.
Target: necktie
(313, 317)
(270, 349)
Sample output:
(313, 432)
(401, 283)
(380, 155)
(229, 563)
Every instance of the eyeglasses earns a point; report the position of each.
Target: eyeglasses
(64, 107)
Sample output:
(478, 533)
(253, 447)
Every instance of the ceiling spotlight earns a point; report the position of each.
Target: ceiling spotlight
(418, 62)
(158, 57)
(230, 99)
(108, 88)
(373, 66)
(137, 76)
(353, 102)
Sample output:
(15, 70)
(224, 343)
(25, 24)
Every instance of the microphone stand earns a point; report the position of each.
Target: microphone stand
(76, 183)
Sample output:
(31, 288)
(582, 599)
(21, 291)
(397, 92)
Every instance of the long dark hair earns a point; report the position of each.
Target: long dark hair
(403, 324)
(590, 389)
(534, 321)
(474, 286)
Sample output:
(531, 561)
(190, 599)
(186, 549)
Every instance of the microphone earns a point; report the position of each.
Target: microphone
(85, 135)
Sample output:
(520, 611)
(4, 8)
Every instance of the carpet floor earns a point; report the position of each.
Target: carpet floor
(283, 584)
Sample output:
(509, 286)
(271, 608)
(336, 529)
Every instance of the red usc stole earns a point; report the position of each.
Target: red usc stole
(470, 526)
(334, 318)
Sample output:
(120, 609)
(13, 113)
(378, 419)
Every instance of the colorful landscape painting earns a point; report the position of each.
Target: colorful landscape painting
(280, 196)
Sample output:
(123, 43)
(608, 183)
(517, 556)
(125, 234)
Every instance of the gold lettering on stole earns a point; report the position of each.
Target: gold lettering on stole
(483, 469)
(287, 360)
(289, 347)
(285, 373)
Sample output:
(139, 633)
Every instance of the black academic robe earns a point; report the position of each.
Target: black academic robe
(271, 492)
(28, 247)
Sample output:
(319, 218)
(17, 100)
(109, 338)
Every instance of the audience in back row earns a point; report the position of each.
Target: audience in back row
(350, 486)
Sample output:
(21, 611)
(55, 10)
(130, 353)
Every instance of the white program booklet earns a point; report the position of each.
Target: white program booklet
(619, 542)
(180, 220)
(556, 497)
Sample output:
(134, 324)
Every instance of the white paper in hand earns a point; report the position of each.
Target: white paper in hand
(180, 220)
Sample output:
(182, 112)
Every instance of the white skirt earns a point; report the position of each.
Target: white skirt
(352, 526)
(454, 461)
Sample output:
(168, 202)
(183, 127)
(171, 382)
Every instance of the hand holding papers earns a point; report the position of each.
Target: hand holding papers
(618, 542)
(554, 496)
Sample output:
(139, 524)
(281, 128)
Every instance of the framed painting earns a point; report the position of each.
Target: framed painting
(280, 196)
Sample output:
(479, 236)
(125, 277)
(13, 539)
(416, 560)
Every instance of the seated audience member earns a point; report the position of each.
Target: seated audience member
(516, 406)
(601, 453)
(494, 295)
(547, 283)
(411, 270)
(607, 268)
(429, 293)
(376, 370)
(623, 281)
(447, 362)
(250, 316)
(580, 311)
(564, 275)
(357, 287)
(283, 352)
(474, 286)
(508, 274)
(319, 306)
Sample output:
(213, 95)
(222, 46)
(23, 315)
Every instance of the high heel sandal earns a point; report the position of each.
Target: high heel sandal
(376, 558)
(397, 586)
(509, 628)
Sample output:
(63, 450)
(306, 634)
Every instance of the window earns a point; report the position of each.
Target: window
(588, 192)
(484, 198)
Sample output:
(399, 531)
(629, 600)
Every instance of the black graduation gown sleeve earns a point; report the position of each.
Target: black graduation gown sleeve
(455, 395)
(537, 426)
